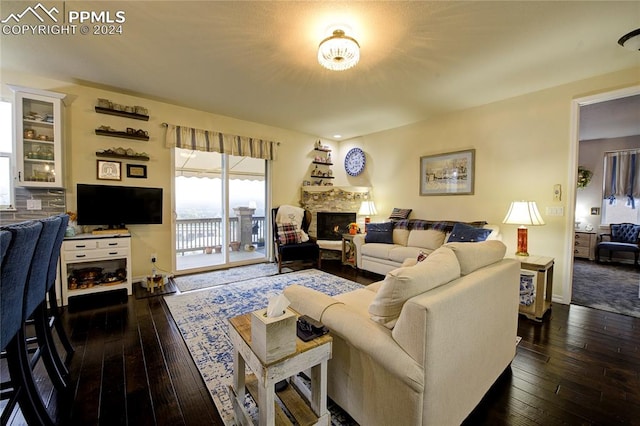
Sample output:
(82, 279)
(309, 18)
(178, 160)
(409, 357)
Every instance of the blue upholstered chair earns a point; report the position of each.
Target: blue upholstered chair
(13, 280)
(294, 251)
(35, 298)
(624, 237)
(45, 321)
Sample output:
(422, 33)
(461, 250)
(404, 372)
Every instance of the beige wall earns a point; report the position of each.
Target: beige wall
(523, 147)
(81, 144)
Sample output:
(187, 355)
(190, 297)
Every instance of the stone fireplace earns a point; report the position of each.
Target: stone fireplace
(331, 225)
(332, 199)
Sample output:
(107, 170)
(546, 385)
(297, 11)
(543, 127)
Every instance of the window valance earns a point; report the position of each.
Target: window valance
(622, 175)
(212, 141)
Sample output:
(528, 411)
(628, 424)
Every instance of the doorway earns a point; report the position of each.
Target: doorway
(603, 123)
(220, 206)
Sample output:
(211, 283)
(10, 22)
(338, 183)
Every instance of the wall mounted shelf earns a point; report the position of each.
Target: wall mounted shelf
(124, 135)
(127, 157)
(122, 113)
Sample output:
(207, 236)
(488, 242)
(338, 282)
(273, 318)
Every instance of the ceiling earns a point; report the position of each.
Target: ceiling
(256, 61)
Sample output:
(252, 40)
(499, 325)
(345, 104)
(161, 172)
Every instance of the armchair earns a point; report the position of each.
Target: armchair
(623, 237)
(288, 241)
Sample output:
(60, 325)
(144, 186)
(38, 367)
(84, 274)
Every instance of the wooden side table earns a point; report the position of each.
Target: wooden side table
(543, 266)
(349, 250)
(313, 354)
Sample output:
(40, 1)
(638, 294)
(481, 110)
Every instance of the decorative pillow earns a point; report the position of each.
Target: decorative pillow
(476, 256)
(379, 233)
(399, 214)
(401, 284)
(429, 239)
(463, 233)
(288, 233)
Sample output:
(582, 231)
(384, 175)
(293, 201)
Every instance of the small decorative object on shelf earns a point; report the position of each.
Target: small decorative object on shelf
(105, 106)
(123, 153)
(130, 133)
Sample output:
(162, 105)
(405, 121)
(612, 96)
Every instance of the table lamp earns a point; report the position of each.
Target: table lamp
(367, 209)
(523, 213)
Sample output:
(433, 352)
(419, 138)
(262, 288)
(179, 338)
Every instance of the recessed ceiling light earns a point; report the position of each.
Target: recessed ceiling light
(337, 136)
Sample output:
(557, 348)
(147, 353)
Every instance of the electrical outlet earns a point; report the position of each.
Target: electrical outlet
(154, 257)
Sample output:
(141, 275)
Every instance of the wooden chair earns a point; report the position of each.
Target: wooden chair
(287, 251)
(624, 237)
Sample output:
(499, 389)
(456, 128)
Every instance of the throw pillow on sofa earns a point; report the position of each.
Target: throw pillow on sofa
(477, 255)
(401, 284)
(379, 233)
(463, 233)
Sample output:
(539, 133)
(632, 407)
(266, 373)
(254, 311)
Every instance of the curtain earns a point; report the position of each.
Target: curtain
(212, 141)
(622, 176)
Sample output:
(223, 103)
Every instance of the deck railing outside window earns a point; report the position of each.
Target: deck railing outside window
(194, 235)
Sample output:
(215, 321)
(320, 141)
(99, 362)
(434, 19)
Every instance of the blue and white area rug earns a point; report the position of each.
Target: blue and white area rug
(231, 275)
(202, 319)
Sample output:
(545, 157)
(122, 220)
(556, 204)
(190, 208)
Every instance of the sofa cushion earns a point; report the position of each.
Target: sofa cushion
(400, 236)
(477, 255)
(357, 300)
(377, 250)
(429, 239)
(379, 233)
(401, 284)
(400, 253)
(463, 233)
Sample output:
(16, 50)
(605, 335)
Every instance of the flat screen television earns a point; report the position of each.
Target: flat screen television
(118, 206)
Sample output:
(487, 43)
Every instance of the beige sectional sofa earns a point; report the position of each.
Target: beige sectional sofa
(410, 237)
(423, 346)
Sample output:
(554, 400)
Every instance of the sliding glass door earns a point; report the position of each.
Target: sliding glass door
(220, 208)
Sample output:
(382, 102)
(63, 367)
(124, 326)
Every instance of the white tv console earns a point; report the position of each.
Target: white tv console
(108, 253)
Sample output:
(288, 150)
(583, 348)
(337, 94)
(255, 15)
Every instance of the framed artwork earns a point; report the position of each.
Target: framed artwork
(448, 174)
(136, 171)
(109, 170)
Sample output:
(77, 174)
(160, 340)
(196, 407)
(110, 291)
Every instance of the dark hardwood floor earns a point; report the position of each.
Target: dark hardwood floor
(131, 367)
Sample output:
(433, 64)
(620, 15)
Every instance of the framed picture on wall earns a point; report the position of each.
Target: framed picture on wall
(451, 173)
(109, 170)
(136, 171)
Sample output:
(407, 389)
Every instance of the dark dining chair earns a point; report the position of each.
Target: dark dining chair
(13, 281)
(36, 303)
(46, 320)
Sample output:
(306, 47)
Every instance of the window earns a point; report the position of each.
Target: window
(6, 159)
(621, 195)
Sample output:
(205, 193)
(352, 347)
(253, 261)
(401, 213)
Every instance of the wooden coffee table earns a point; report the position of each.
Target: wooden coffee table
(313, 354)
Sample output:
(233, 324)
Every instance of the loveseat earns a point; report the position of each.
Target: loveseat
(423, 346)
(387, 245)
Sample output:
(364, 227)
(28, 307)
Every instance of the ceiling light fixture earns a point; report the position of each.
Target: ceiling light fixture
(631, 40)
(338, 52)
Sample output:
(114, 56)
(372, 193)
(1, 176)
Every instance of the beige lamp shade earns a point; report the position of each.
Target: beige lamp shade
(523, 213)
(367, 208)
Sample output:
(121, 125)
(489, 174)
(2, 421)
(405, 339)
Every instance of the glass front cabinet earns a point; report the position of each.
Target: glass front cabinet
(38, 137)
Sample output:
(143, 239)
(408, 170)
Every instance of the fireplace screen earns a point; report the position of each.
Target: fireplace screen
(332, 225)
